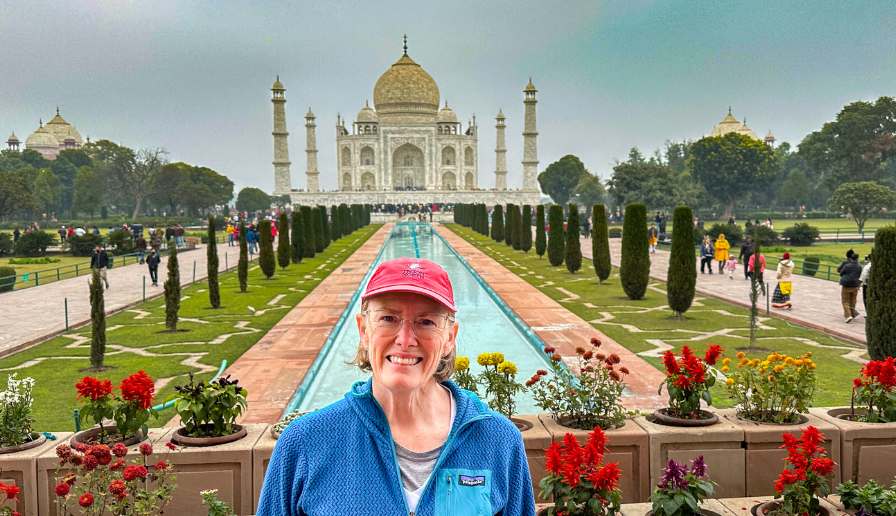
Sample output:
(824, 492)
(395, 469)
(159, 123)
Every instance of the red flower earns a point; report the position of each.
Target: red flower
(580, 350)
(133, 472)
(90, 387)
(588, 354)
(64, 452)
(549, 349)
(161, 465)
(119, 450)
(712, 354)
(138, 387)
(117, 465)
(118, 487)
(102, 454)
(600, 356)
(86, 500)
(62, 489)
(553, 458)
(682, 382)
(170, 445)
(607, 477)
(89, 462)
(670, 363)
(12, 491)
(623, 370)
(856, 383)
(541, 372)
(595, 342)
(556, 357)
(145, 449)
(615, 376)
(595, 446)
(614, 359)
(822, 466)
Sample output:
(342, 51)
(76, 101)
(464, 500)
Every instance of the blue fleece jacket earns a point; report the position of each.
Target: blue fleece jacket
(340, 460)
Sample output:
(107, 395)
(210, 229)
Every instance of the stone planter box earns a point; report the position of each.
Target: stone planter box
(536, 439)
(643, 509)
(868, 450)
(225, 467)
(628, 445)
(47, 464)
(20, 468)
(765, 458)
(743, 506)
(261, 456)
(720, 444)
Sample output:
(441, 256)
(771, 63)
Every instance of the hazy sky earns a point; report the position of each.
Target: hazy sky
(194, 77)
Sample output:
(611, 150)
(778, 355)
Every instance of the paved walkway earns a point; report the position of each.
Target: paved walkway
(33, 314)
(816, 302)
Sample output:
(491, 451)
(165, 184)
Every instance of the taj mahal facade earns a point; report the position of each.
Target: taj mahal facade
(406, 149)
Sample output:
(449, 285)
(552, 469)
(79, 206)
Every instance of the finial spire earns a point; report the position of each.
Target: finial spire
(57, 110)
(729, 110)
(405, 44)
(40, 121)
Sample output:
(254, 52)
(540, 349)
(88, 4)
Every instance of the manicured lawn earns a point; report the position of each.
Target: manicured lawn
(824, 225)
(136, 340)
(648, 326)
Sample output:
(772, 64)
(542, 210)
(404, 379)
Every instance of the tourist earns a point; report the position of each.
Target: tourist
(722, 247)
(651, 237)
(70, 232)
(757, 261)
(252, 239)
(784, 288)
(375, 451)
(662, 226)
(706, 254)
(140, 245)
(850, 280)
(731, 266)
(79, 231)
(62, 233)
(866, 275)
(746, 251)
(15, 235)
(152, 261)
(100, 260)
(230, 231)
(179, 236)
(96, 231)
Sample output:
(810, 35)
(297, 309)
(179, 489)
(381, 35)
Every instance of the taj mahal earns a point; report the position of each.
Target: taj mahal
(407, 148)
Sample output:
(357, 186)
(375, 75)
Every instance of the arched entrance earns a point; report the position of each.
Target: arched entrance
(368, 182)
(468, 181)
(449, 182)
(407, 168)
(346, 181)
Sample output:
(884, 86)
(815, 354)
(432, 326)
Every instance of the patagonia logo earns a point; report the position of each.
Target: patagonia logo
(465, 480)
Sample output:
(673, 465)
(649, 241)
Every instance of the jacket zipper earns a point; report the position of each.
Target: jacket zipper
(445, 451)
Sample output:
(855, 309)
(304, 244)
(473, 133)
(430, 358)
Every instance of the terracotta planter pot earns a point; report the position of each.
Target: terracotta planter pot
(868, 449)
(763, 509)
(88, 437)
(662, 417)
(180, 437)
(37, 439)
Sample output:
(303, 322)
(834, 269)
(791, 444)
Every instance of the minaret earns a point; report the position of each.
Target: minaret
(500, 154)
(282, 181)
(530, 144)
(311, 174)
(13, 142)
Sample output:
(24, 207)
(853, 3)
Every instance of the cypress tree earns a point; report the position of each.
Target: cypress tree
(335, 228)
(283, 248)
(97, 322)
(242, 268)
(318, 230)
(526, 231)
(682, 275)
(266, 249)
(498, 223)
(296, 239)
(211, 254)
(483, 217)
(880, 326)
(540, 237)
(172, 290)
(308, 245)
(573, 245)
(555, 235)
(345, 219)
(325, 226)
(600, 243)
(508, 226)
(634, 270)
(516, 235)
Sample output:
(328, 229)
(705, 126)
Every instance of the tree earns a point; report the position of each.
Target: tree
(297, 239)
(795, 190)
(344, 219)
(682, 274)
(283, 248)
(47, 191)
(172, 290)
(561, 178)
(252, 199)
(97, 322)
(731, 166)
(573, 244)
(324, 225)
(88, 194)
(600, 243)
(242, 268)
(335, 226)
(589, 191)
(266, 249)
(634, 269)
(318, 230)
(556, 242)
(498, 223)
(880, 326)
(526, 229)
(508, 225)
(308, 232)
(211, 252)
(516, 229)
(862, 200)
(540, 237)
(137, 183)
(64, 172)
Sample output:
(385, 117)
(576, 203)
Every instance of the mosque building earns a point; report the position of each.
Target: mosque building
(49, 139)
(729, 124)
(408, 148)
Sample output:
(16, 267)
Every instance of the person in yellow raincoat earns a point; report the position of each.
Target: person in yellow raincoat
(652, 238)
(722, 246)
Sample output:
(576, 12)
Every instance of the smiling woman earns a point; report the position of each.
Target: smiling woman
(408, 440)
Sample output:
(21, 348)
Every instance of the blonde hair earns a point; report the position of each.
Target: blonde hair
(443, 372)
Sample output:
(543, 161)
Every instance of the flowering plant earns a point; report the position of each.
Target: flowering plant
(499, 379)
(210, 409)
(100, 481)
(876, 390)
(463, 376)
(775, 390)
(577, 481)
(681, 489)
(587, 400)
(10, 494)
(805, 474)
(15, 411)
(130, 410)
(216, 507)
(687, 381)
(869, 500)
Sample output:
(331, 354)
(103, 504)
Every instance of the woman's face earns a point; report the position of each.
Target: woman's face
(407, 359)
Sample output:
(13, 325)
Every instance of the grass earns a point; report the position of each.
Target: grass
(827, 226)
(641, 326)
(135, 339)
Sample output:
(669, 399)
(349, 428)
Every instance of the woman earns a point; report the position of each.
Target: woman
(757, 270)
(784, 288)
(652, 237)
(706, 254)
(722, 247)
(408, 440)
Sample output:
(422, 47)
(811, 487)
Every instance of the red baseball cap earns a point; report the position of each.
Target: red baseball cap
(416, 275)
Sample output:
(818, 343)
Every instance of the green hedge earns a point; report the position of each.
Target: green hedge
(634, 272)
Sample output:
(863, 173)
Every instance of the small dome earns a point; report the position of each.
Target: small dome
(42, 138)
(729, 124)
(406, 88)
(530, 86)
(278, 86)
(447, 115)
(367, 115)
(62, 130)
(13, 137)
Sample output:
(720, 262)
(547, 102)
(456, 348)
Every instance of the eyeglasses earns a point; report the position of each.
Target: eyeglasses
(425, 326)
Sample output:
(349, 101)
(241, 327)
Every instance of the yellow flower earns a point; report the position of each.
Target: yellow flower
(771, 378)
(811, 365)
(484, 359)
(508, 368)
(771, 357)
(461, 363)
(765, 363)
(754, 362)
(729, 381)
(798, 362)
(741, 355)
(497, 358)
(789, 361)
(779, 368)
(726, 361)
(725, 369)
